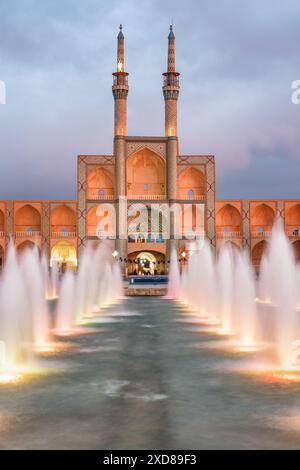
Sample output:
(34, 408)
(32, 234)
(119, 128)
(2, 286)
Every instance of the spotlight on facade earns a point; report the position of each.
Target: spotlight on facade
(115, 254)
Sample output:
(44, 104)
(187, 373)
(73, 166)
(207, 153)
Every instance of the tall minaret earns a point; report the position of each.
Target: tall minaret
(120, 92)
(171, 89)
(120, 88)
(171, 92)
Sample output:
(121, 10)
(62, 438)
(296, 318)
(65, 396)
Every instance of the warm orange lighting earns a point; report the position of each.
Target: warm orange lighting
(246, 348)
(225, 332)
(284, 377)
(52, 349)
(120, 66)
(10, 377)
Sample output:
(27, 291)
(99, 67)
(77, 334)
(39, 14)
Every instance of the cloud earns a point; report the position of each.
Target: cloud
(237, 61)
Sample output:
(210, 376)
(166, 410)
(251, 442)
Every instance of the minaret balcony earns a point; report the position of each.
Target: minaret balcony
(120, 80)
(171, 80)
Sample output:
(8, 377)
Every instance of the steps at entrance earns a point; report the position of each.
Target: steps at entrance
(133, 291)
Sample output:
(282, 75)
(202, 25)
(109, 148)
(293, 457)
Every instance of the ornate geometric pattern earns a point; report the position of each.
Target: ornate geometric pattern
(206, 164)
(246, 224)
(157, 147)
(81, 209)
(45, 227)
(84, 164)
(9, 220)
(280, 210)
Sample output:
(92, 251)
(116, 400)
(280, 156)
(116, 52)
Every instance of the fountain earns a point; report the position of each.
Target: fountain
(15, 320)
(24, 312)
(244, 304)
(174, 277)
(251, 312)
(279, 285)
(35, 284)
(65, 310)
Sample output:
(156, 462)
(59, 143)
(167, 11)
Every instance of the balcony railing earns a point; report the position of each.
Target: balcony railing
(171, 80)
(95, 195)
(293, 235)
(27, 234)
(193, 233)
(230, 234)
(199, 197)
(147, 197)
(63, 234)
(258, 234)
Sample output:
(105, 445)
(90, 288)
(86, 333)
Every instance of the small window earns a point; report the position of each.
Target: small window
(295, 231)
(191, 194)
(29, 231)
(64, 232)
(101, 193)
(146, 187)
(261, 230)
(226, 231)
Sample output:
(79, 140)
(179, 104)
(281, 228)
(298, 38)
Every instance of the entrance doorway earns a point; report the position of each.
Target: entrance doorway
(146, 263)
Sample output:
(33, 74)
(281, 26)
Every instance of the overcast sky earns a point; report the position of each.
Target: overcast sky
(237, 61)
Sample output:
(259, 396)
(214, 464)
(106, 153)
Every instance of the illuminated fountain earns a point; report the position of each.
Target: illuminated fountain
(24, 308)
(255, 314)
(65, 310)
(16, 333)
(279, 286)
(174, 277)
(244, 304)
(35, 284)
(98, 283)
(225, 272)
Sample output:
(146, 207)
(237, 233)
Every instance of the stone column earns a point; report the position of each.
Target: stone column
(121, 206)
(172, 150)
(246, 226)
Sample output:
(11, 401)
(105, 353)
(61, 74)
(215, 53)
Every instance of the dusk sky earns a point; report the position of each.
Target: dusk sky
(237, 61)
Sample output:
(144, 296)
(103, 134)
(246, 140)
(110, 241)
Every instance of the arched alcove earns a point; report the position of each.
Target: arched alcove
(63, 221)
(229, 220)
(146, 174)
(191, 184)
(100, 184)
(28, 221)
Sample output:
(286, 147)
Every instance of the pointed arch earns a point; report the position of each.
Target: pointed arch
(228, 219)
(100, 184)
(257, 253)
(191, 184)
(63, 221)
(28, 219)
(296, 249)
(27, 245)
(292, 220)
(146, 174)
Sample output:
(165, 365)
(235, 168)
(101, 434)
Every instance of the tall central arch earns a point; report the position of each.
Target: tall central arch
(146, 174)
